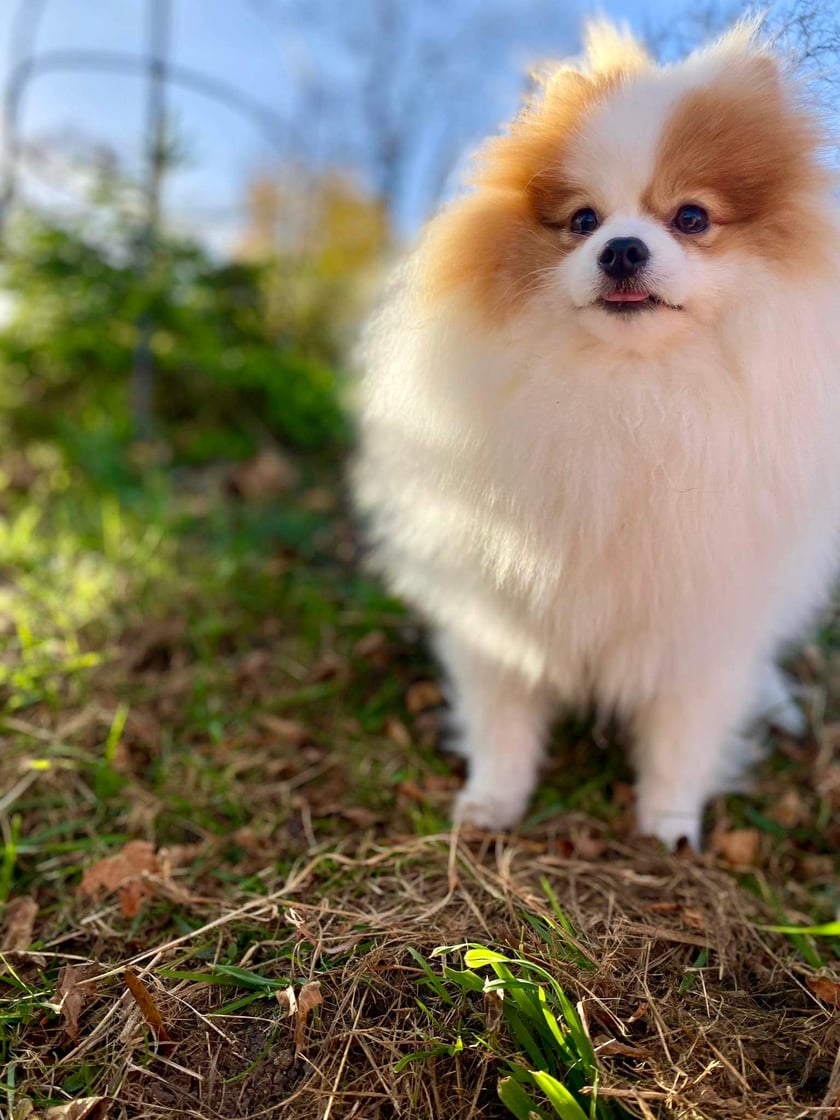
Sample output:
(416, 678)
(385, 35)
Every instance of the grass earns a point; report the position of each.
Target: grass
(217, 679)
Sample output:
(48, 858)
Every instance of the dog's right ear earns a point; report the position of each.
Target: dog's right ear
(611, 49)
(610, 54)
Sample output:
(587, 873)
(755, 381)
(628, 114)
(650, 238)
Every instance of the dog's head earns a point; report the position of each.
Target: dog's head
(633, 201)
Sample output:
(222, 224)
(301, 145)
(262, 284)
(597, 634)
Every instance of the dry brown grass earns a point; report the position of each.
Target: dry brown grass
(294, 814)
(746, 1039)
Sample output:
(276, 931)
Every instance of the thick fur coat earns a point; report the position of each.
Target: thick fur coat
(612, 474)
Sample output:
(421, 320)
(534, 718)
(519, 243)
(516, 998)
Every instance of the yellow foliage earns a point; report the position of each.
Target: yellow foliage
(323, 241)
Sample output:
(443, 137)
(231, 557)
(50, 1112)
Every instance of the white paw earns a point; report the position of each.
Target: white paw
(670, 826)
(491, 811)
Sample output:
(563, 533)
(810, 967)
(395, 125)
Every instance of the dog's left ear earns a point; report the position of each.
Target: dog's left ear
(750, 58)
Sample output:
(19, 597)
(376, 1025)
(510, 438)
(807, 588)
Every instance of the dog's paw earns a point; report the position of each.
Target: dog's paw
(493, 812)
(670, 828)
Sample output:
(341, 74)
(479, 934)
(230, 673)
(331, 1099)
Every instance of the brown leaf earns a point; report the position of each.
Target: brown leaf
(71, 994)
(740, 847)
(373, 647)
(791, 809)
(299, 1006)
(267, 475)
(329, 667)
(410, 789)
(360, 816)
(694, 919)
(84, 1108)
(308, 998)
(174, 856)
(825, 989)
(622, 1048)
(124, 873)
(287, 999)
(588, 847)
(397, 732)
(18, 922)
(422, 695)
(287, 730)
(148, 1008)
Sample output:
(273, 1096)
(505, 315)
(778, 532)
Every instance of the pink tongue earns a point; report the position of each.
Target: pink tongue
(626, 297)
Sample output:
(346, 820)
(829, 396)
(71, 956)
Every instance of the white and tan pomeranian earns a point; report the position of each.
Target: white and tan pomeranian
(600, 420)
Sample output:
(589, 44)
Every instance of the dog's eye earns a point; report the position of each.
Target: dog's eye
(691, 219)
(584, 221)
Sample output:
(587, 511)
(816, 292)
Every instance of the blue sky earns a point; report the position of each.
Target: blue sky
(268, 58)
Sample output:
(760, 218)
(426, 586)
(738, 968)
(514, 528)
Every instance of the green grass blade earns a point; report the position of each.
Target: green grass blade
(517, 1101)
(828, 929)
(562, 1101)
(466, 980)
(431, 978)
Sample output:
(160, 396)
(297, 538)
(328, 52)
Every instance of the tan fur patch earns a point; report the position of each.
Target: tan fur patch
(498, 240)
(750, 156)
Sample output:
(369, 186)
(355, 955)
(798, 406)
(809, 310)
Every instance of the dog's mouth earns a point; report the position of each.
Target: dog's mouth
(632, 301)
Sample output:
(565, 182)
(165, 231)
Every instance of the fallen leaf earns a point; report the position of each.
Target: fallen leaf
(397, 732)
(329, 667)
(791, 809)
(148, 1008)
(622, 1048)
(286, 998)
(299, 1006)
(18, 922)
(694, 919)
(422, 695)
(124, 873)
(374, 645)
(84, 1108)
(287, 730)
(71, 994)
(360, 816)
(825, 989)
(740, 847)
(267, 475)
(308, 998)
(589, 847)
(174, 856)
(410, 789)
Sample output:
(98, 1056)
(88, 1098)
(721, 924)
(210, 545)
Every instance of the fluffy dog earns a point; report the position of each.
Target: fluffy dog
(600, 419)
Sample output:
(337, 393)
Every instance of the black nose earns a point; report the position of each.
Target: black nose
(623, 257)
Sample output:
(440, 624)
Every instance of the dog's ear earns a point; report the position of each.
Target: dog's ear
(749, 58)
(611, 49)
(610, 54)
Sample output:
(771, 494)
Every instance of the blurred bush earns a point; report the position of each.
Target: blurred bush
(322, 242)
(246, 350)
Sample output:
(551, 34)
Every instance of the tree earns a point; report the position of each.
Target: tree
(399, 88)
